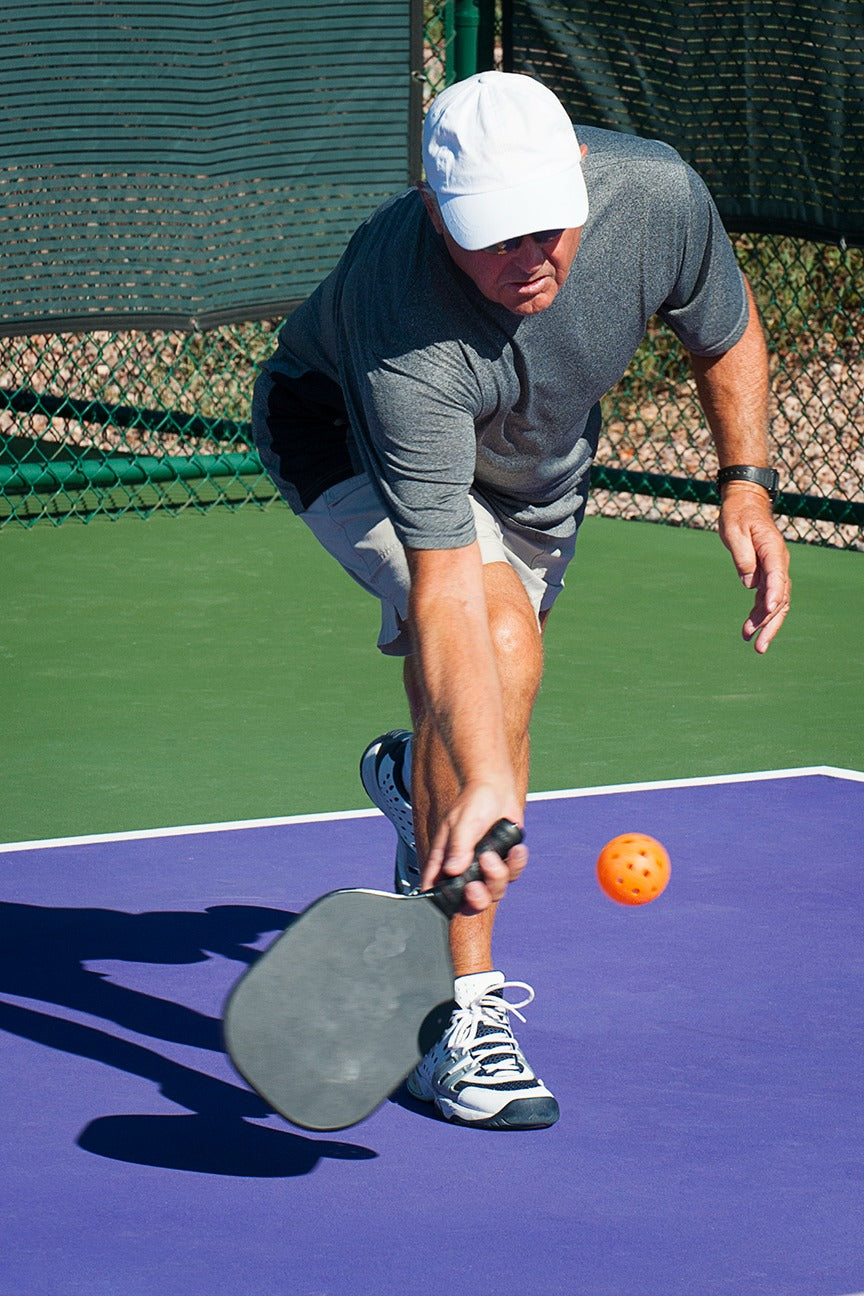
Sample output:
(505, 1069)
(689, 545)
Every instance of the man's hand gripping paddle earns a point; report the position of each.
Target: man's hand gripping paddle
(344, 1004)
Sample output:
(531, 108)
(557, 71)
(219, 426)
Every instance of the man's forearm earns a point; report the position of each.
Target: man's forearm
(733, 391)
(457, 662)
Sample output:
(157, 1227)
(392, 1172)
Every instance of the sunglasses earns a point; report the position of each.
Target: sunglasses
(510, 245)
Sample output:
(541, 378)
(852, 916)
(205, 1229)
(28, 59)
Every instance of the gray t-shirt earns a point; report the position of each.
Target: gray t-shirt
(442, 390)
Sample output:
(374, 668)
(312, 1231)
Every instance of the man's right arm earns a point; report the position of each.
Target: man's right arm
(462, 693)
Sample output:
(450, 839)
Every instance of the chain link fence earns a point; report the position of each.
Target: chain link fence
(119, 423)
(810, 299)
(129, 422)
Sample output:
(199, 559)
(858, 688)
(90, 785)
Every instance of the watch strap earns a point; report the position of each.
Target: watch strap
(768, 478)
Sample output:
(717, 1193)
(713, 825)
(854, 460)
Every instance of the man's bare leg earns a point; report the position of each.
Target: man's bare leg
(434, 784)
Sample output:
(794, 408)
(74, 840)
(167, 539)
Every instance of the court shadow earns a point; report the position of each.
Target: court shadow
(43, 956)
(216, 1139)
(402, 1098)
(44, 953)
(212, 1145)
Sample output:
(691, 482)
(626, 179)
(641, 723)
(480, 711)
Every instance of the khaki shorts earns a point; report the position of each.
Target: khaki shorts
(350, 522)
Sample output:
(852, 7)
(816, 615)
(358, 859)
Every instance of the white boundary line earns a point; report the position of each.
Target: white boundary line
(186, 830)
(829, 771)
(191, 830)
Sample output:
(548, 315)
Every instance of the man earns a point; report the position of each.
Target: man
(431, 413)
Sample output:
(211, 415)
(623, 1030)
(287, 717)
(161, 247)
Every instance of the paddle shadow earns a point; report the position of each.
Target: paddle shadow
(208, 1145)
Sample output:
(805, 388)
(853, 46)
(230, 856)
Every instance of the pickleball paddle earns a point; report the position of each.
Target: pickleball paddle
(344, 1004)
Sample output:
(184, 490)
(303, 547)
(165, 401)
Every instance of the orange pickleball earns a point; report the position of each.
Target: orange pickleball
(633, 869)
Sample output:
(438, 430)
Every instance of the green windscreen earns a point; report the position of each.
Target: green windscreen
(184, 164)
(764, 97)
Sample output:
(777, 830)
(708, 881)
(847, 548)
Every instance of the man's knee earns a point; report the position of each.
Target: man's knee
(513, 625)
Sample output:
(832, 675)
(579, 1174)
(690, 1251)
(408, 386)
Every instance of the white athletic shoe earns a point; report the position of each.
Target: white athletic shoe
(477, 1074)
(385, 771)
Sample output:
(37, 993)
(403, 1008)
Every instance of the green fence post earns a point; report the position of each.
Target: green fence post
(467, 24)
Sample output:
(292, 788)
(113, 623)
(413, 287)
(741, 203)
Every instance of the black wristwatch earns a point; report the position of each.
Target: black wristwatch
(767, 477)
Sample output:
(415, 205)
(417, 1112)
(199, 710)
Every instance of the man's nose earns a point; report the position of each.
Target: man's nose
(529, 252)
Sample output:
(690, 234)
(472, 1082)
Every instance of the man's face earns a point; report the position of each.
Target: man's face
(525, 280)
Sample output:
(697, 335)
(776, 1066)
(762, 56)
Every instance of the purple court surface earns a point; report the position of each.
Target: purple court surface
(706, 1051)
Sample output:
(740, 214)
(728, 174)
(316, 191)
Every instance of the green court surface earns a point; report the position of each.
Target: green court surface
(202, 669)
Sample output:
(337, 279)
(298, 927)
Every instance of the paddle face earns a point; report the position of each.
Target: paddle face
(344, 1004)
(329, 1020)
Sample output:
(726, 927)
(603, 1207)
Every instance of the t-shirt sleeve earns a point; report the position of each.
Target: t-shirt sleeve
(707, 308)
(414, 419)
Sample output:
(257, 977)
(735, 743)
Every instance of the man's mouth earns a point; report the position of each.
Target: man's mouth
(530, 285)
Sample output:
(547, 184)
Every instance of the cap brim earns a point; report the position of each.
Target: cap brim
(478, 220)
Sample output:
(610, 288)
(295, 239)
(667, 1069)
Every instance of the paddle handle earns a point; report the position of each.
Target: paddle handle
(500, 838)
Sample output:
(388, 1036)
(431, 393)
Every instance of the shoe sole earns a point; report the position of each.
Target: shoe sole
(406, 881)
(520, 1114)
(369, 779)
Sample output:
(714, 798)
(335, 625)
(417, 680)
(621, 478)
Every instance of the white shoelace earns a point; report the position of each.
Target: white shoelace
(490, 1012)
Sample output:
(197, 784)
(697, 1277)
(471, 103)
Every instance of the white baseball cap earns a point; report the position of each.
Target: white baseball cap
(502, 158)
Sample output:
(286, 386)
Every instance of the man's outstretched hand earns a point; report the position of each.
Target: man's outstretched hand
(761, 559)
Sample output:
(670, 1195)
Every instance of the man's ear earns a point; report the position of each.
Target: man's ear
(431, 204)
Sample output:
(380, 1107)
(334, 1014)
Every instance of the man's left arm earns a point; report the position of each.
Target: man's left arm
(733, 392)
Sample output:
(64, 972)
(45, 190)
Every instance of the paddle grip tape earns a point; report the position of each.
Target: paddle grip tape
(500, 838)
